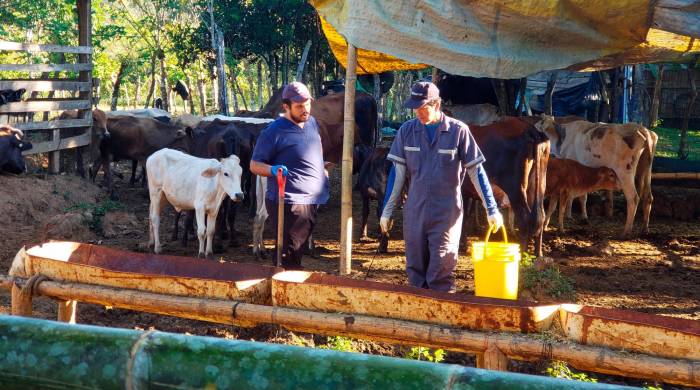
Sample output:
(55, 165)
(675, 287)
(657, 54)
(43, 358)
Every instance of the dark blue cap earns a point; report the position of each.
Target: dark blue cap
(296, 92)
(421, 93)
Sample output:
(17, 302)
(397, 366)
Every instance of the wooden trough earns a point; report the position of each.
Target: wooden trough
(174, 275)
(322, 292)
(632, 331)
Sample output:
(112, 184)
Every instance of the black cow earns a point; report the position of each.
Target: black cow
(10, 95)
(181, 89)
(12, 144)
(371, 183)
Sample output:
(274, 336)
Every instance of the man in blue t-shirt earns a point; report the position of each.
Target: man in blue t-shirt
(292, 143)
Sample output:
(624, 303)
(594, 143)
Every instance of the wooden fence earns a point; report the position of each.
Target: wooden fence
(63, 80)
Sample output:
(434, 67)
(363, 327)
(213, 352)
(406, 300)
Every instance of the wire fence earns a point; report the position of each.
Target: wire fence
(669, 138)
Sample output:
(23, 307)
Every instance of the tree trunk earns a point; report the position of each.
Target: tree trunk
(202, 96)
(499, 88)
(190, 98)
(214, 93)
(260, 91)
(234, 95)
(549, 94)
(152, 86)
(251, 88)
(117, 85)
(302, 62)
(163, 83)
(654, 112)
(137, 92)
(683, 144)
(285, 64)
(240, 91)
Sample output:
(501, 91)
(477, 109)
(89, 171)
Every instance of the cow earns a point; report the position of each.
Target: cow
(371, 183)
(99, 132)
(516, 161)
(473, 114)
(191, 183)
(628, 149)
(568, 179)
(152, 113)
(133, 138)
(220, 139)
(12, 144)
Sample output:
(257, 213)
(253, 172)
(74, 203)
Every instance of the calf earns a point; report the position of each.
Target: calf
(568, 179)
(99, 132)
(191, 183)
(626, 148)
(12, 144)
(371, 183)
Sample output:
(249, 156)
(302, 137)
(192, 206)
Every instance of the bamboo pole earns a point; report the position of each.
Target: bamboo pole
(106, 358)
(511, 345)
(346, 182)
(675, 175)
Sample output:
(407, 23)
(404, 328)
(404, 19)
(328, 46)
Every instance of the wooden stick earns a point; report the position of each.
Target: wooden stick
(492, 359)
(21, 303)
(346, 181)
(675, 175)
(512, 345)
(67, 311)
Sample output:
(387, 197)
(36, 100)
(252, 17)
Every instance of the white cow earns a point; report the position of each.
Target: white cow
(260, 216)
(628, 149)
(191, 183)
(152, 113)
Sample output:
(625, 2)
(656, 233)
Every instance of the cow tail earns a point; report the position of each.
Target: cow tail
(542, 147)
(376, 126)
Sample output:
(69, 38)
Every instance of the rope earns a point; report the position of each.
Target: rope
(133, 353)
(30, 286)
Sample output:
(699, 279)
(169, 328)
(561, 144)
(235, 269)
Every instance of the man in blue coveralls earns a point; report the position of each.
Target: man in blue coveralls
(436, 152)
(292, 143)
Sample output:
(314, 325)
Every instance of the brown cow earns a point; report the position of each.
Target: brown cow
(99, 131)
(516, 161)
(568, 179)
(132, 138)
(619, 147)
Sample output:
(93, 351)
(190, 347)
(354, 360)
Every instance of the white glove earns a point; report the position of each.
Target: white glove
(384, 224)
(495, 221)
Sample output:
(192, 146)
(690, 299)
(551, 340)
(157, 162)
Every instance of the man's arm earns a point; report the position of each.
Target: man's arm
(260, 168)
(394, 187)
(477, 174)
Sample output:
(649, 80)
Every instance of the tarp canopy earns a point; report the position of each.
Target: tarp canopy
(510, 38)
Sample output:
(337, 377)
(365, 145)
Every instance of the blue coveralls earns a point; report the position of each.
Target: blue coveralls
(433, 211)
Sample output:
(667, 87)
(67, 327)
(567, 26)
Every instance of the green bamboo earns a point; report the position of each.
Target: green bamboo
(39, 354)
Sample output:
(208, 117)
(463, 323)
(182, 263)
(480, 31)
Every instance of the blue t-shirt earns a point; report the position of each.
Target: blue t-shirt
(300, 150)
(431, 130)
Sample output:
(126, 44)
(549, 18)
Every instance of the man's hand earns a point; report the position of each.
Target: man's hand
(495, 221)
(384, 225)
(275, 168)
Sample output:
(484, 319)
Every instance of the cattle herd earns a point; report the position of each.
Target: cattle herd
(200, 165)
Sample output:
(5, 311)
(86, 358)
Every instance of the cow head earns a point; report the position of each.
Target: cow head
(12, 145)
(228, 177)
(607, 179)
(99, 124)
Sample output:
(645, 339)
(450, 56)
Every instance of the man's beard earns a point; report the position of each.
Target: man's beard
(300, 118)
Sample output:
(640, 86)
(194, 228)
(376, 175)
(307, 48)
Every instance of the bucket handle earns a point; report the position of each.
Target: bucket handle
(488, 233)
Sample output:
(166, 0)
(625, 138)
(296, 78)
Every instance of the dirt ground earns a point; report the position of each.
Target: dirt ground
(658, 273)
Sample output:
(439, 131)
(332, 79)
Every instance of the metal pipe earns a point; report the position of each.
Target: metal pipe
(46, 354)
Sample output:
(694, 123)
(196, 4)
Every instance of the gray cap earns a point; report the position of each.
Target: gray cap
(296, 92)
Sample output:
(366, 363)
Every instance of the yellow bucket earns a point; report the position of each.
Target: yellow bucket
(496, 268)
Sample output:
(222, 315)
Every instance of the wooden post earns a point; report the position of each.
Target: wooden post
(549, 94)
(67, 311)
(654, 114)
(21, 304)
(85, 39)
(377, 99)
(492, 359)
(346, 182)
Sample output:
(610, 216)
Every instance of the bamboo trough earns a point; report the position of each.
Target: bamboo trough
(601, 340)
